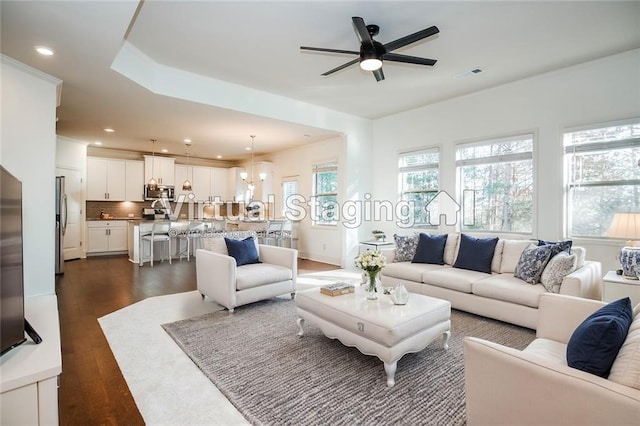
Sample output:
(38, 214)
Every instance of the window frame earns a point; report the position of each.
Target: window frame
(328, 166)
(463, 194)
(569, 152)
(430, 193)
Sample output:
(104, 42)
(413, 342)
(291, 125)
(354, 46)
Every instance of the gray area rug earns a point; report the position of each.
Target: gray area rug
(274, 377)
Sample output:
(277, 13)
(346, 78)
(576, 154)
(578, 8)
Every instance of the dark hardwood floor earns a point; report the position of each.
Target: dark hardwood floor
(92, 389)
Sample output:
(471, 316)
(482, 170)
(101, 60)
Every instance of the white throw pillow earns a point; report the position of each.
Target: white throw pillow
(511, 252)
(626, 367)
(560, 265)
(451, 248)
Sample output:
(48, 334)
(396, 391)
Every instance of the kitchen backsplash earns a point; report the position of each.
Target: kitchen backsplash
(122, 209)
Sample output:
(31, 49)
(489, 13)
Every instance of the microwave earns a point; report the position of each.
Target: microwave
(159, 193)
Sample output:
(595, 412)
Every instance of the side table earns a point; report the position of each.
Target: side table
(376, 245)
(617, 286)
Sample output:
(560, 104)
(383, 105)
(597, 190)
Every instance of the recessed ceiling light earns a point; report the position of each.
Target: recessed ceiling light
(43, 50)
(165, 150)
(187, 140)
(218, 156)
(109, 130)
(248, 148)
(98, 143)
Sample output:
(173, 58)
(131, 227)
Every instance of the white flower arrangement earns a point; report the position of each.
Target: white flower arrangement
(371, 261)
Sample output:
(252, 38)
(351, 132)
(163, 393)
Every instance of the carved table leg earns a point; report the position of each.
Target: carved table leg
(300, 322)
(390, 369)
(445, 339)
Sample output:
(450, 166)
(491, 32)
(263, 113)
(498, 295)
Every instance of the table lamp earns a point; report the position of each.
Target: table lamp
(627, 225)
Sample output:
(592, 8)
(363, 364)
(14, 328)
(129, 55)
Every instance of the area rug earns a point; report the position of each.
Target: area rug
(274, 377)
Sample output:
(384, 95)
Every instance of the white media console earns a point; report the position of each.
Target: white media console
(29, 373)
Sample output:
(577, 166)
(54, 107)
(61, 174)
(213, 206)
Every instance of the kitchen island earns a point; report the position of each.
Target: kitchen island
(139, 228)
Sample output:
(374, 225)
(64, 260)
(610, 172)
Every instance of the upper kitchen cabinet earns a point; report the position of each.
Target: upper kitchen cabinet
(162, 168)
(105, 179)
(134, 188)
(206, 182)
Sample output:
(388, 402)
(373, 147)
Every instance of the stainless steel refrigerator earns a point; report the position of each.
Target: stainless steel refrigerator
(61, 223)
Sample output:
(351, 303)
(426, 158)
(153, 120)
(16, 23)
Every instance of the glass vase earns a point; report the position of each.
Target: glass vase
(374, 285)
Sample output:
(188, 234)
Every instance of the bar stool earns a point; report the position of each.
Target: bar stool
(193, 233)
(159, 234)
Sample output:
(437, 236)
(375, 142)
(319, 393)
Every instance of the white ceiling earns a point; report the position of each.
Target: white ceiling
(256, 44)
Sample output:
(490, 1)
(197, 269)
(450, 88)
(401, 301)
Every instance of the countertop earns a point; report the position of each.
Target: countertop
(91, 219)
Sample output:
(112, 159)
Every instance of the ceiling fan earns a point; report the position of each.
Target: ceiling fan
(372, 53)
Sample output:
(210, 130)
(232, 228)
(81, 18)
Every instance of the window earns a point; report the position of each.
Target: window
(289, 189)
(418, 179)
(495, 179)
(602, 173)
(325, 193)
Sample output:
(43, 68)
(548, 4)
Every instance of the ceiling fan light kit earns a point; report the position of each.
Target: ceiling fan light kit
(372, 53)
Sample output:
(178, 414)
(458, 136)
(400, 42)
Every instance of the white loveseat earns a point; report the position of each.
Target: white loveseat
(535, 386)
(498, 294)
(220, 279)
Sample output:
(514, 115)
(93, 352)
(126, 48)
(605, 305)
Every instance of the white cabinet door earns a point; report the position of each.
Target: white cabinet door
(116, 170)
(134, 187)
(105, 179)
(182, 173)
(96, 179)
(167, 171)
(219, 183)
(201, 183)
(97, 239)
(118, 239)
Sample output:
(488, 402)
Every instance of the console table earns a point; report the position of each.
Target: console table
(29, 372)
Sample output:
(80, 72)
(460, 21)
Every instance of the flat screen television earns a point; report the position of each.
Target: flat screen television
(12, 323)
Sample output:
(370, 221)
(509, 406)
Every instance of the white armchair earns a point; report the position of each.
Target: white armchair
(535, 386)
(219, 279)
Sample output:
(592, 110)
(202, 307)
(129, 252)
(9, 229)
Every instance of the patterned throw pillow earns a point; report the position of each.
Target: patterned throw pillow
(560, 265)
(557, 247)
(532, 262)
(405, 247)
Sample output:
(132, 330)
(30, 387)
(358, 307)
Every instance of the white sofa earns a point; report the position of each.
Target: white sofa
(497, 295)
(220, 279)
(535, 386)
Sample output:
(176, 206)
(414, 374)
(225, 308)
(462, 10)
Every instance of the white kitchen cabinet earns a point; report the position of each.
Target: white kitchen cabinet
(163, 169)
(105, 179)
(134, 187)
(201, 183)
(106, 236)
(219, 183)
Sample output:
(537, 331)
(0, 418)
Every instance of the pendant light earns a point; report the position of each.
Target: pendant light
(153, 184)
(186, 185)
(243, 175)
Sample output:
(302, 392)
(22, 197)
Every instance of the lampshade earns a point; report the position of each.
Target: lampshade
(625, 226)
(244, 175)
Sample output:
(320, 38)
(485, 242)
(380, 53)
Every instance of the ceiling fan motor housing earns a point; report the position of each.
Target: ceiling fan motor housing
(376, 53)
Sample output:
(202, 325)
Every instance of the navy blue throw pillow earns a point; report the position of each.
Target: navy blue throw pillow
(557, 247)
(475, 254)
(243, 251)
(430, 249)
(595, 343)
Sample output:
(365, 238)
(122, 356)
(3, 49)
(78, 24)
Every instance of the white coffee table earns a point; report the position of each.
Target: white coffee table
(377, 327)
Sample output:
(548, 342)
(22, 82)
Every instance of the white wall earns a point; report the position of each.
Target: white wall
(321, 243)
(28, 151)
(597, 91)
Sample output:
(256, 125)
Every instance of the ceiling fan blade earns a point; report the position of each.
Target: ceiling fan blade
(363, 34)
(378, 74)
(411, 38)
(408, 59)
(343, 66)
(322, 49)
